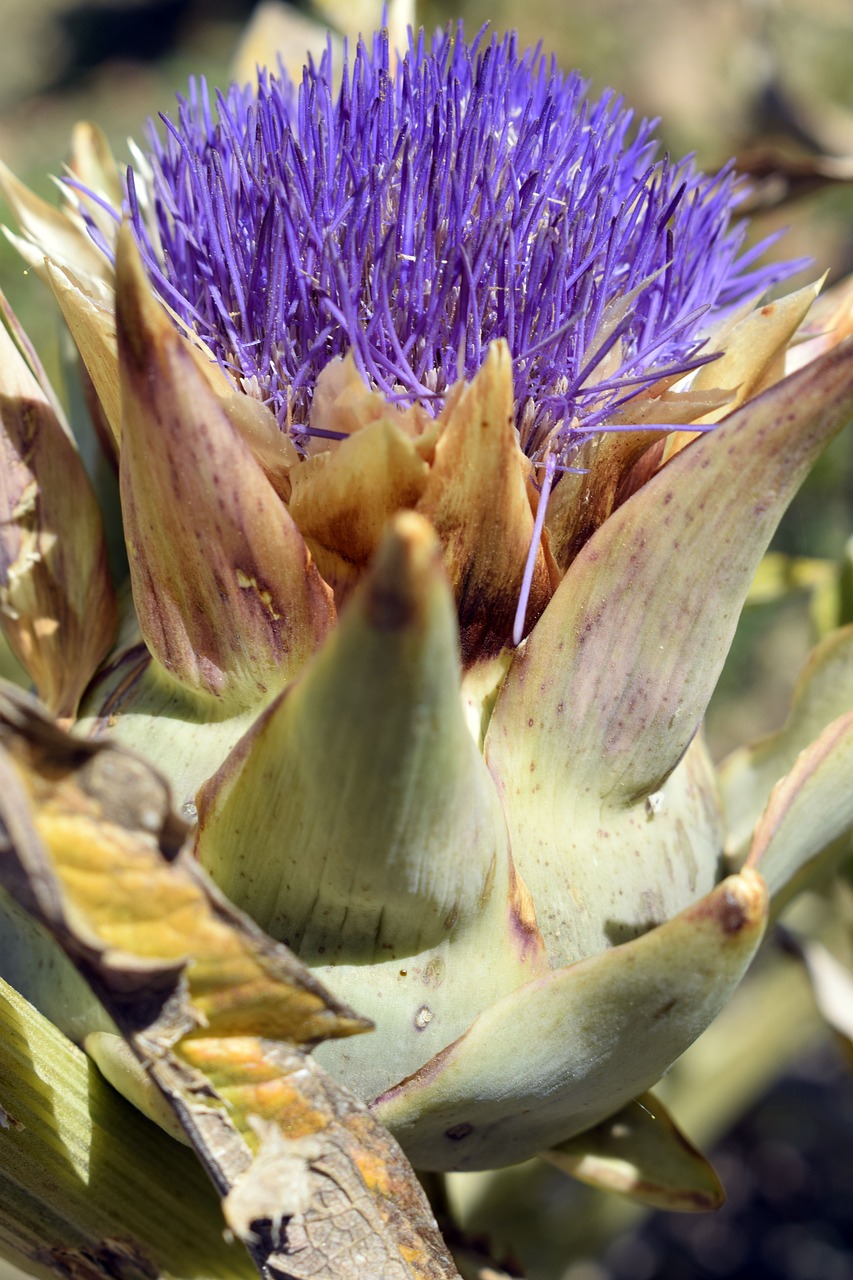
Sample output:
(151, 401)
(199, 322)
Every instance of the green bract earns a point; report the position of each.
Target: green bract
(513, 859)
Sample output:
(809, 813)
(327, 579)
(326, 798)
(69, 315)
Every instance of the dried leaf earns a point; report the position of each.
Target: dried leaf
(57, 604)
(222, 1017)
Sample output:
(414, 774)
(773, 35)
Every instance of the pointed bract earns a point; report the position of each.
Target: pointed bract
(371, 736)
(754, 355)
(50, 232)
(641, 1153)
(342, 499)
(633, 641)
(476, 500)
(274, 452)
(808, 811)
(228, 599)
(572, 1046)
(57, 605)
(93, 166)
(583, 501)
(93, 328)
(358, 822)
(824, 691)
(603, 702)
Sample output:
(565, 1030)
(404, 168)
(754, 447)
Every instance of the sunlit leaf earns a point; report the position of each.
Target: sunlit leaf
(222, 1017)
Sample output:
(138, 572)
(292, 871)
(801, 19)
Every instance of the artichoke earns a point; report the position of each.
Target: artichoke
(450, 430)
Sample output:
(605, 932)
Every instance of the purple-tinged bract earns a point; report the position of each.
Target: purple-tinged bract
(426, 207)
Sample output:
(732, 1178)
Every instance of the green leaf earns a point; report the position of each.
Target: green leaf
(87, 1184)
(808, 812)
(824, 691)
(641, 1153)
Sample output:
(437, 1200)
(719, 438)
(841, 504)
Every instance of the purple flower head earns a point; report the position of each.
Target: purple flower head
(427, 207)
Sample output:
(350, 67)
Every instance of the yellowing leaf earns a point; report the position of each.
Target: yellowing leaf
(221, 1016)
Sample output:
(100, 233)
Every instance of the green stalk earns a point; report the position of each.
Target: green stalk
(88, 1187)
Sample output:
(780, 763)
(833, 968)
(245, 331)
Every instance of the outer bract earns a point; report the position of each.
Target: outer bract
(450, 434)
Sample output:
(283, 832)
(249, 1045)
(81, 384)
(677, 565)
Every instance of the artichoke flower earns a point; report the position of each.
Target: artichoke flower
(450, 430)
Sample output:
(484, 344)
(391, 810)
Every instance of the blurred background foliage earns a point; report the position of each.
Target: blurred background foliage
(728, 78)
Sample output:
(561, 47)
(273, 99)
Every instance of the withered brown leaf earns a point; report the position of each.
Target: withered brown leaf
(222, 1018)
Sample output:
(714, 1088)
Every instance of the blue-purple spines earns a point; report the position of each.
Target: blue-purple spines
(428, 206)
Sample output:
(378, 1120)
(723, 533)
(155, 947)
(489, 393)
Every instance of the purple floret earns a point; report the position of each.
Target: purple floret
(427, 207)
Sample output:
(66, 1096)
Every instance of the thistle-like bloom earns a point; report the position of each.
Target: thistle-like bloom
(432, 349)
(427, 208)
